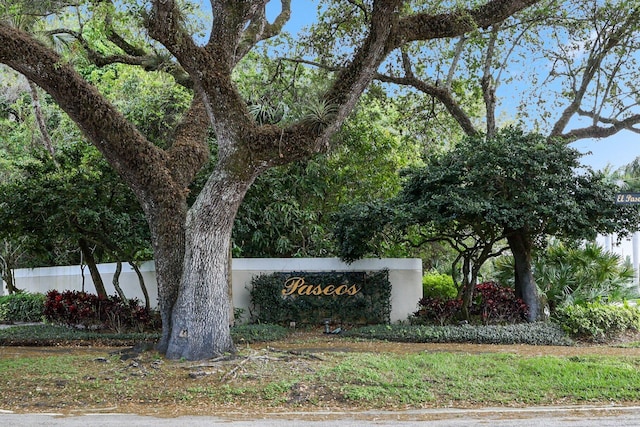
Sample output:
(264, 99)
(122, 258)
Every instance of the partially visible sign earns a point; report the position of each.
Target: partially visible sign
(628, 199)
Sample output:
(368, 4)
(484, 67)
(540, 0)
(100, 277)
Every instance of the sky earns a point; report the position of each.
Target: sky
(615, 151)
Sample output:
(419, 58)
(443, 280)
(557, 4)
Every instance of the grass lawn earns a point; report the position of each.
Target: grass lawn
(309, 372)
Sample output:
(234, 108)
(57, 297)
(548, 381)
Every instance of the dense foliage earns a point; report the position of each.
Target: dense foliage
(491, 303)
(21, 307)
(438, 285)
(81, 309)
(57, 202)
(371, 304)
(288, 210)
(575, 274)
(598, 322)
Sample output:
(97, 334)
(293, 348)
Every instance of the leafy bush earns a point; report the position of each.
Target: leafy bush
(492, 303)
(75, 308)
(439, 310)
(22, 307)
(371, 304)
(498, 304)
(598, 322)
(437, 285)
(538, 333)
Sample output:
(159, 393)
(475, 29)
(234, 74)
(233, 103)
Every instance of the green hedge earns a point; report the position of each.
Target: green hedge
(22, 307)
(596, 321)
(438, 285)
(371, 304)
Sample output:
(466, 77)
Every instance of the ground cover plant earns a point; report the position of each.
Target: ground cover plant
(59, 335)
(538, 333)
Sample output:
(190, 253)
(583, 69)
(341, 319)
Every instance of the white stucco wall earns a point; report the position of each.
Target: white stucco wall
(72, 278)
(405, 275)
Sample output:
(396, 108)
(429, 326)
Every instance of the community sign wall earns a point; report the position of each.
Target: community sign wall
(405, 275)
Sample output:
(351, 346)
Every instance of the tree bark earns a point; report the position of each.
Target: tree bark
(143, 286)
(7, 276)
(469, 278)
(116, 283)
(93, 268)
(167, 236)
(201, 316)
(525, 285)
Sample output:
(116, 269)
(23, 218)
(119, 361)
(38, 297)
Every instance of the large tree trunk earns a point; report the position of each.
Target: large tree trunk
(525, 285)
(201, 315)
(167, 236)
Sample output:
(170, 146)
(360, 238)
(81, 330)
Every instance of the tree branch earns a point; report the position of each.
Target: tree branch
(135, 57)
(428, 27)
(596, 131)
(609, 41)
(487, 84)
(136, 159)
(189, 151)
(260, 29)
(442, 94)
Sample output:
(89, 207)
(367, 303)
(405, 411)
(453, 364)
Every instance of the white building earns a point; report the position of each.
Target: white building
(627, 248)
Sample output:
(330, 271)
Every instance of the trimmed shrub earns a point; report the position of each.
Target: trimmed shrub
(74, 308)
(22, 307)
(598, 322)
(437, 285)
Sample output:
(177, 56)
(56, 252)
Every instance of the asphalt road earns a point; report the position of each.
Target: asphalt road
(585, 416)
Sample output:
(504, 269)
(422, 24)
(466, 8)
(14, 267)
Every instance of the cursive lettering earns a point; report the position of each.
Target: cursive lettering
(297, 286)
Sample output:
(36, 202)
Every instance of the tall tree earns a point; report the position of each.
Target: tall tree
(514, 186)
(567, 69)
(191, 245)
